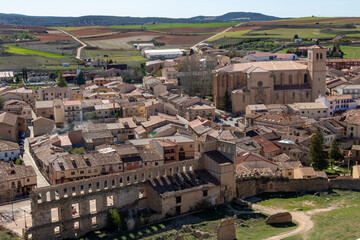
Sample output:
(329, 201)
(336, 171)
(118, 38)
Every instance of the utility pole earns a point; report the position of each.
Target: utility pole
(12, 210)
(25, 219)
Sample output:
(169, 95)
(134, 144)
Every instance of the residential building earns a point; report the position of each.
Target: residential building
(266, 56)
(353, 90)
(11, 125)
(93, 139)
(16, 181)
(44, 109)
(43, 126)
(304, 172)
(338, 103)
(167, 148)
(163, 53)
(107, 110)
(73, 167)
(25, 94)
(19, 108)
(132, 109)
(314, 110)
(73, 111)
(51, 93)
(9, 151)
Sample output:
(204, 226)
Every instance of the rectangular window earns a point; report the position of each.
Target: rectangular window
(72, 173)
(178, 199)
(205, 193)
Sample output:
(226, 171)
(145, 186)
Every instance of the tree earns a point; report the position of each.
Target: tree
(80, 79)
(17, 79)
(296, 36)
(317, 153)
(18, 161)
(61, 80)
(116, 219)
(334, 153)
(2, 102)
(90, 115)
(24, 74)
(52, 76)
(80, 150)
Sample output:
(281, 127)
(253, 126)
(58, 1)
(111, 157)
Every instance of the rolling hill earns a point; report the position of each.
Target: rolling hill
(48, 21)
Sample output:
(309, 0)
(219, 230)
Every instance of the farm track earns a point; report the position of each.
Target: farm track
(84, 45)
(303, 219)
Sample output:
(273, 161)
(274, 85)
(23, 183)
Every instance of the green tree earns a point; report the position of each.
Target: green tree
(296, 36)
(116, 219)
(90, 115)
(24, 74)
(334, 153)
(18, 161)
(61, 80)
(2, 102)
(80, 79)
(80, 150)
(318, 157)
(52, 76)
(18, 79)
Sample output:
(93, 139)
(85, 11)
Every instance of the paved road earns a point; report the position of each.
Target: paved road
(78, 53)
(29, 161)
(12, 216)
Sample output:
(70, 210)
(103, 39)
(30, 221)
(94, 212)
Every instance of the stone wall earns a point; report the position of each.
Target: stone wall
(346, 184)
(254, 186)
(73, 209)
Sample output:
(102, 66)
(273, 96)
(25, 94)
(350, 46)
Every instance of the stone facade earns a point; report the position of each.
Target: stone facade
(226, 230)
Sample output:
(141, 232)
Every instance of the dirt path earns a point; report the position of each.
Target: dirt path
(303, 219)
(228, 29)
(83, 45)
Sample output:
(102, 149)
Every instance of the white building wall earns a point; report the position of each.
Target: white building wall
(9, 155)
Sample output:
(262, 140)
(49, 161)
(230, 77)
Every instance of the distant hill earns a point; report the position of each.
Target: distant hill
(35, 21)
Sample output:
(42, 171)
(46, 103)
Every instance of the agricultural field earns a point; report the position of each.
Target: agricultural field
(351, 51)
(132, 58)
(24, 51)
(178, 25)
(119, 43)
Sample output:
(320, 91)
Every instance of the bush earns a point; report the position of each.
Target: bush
(116, 219)
(18, 161)
(80, 150)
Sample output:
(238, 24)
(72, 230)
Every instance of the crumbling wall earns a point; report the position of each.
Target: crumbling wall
(253, 186)
(346, 184)
(73, 209)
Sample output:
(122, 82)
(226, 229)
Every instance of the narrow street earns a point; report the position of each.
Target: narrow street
(29, 161)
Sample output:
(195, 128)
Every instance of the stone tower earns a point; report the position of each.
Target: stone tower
(317, 70)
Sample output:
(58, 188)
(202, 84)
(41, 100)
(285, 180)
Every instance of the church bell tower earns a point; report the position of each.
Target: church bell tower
(317, 70)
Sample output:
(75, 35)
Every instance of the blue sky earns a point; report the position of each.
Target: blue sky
(181, 8)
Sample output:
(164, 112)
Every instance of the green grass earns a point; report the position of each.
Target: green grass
(6, 236)
(24, 51)
(337, 224)
(309, 202)
(178, 25)
(351, 51)
(237, 34)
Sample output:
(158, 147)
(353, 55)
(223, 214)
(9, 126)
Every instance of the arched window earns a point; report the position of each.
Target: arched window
(321, 56)
(317, 56)
(293, 95)
(290, 80)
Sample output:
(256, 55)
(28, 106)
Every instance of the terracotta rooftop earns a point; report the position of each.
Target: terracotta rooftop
(267, 65)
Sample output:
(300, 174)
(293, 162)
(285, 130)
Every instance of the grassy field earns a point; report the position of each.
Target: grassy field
(248, 226)
(119, 43)
(309, 202)
(178, 25)
(24, 51)
(351, 51)
(237, 34)
(337, 224)
(65, 48)
(131, 57)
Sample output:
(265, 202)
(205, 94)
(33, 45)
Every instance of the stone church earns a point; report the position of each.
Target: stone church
(272, 82)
